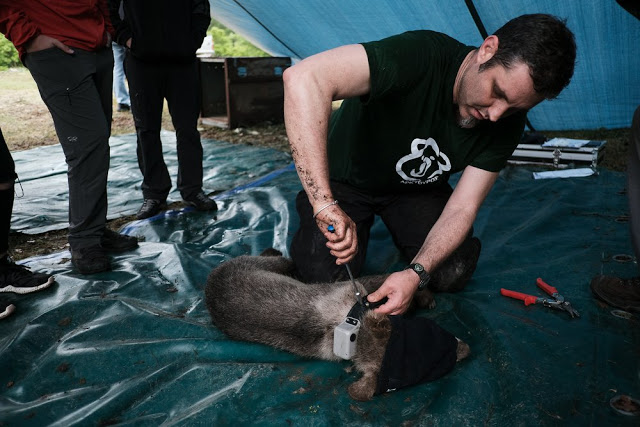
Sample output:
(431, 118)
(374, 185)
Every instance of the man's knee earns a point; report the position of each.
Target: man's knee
(312, 259)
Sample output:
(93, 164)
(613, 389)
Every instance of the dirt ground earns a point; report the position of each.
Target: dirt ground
(26, 123)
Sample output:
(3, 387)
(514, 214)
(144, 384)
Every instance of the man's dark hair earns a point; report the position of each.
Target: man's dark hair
(545, 44)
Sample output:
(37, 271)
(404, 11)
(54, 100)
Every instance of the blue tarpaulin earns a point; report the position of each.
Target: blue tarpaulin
(605, 89)
(136, 346)
(44, 206)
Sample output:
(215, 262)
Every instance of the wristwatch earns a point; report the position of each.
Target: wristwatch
(422, 273)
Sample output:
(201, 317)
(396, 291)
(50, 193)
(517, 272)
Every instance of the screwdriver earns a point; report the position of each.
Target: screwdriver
(331, 229)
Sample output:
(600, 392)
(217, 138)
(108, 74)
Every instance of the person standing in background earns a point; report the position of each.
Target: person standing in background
(67, 48)
(119, 86)
(13, 277)
(161, 37)
(120, 89)
(620, 292)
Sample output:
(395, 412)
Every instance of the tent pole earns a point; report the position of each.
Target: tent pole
(476, 18)
(268, 30)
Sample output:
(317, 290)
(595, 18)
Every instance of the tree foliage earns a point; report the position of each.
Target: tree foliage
(8, 54)
(228, 43)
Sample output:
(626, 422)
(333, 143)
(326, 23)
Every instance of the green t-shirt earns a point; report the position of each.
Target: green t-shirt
(403, 135)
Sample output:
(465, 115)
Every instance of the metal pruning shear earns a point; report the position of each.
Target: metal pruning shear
(558, 302)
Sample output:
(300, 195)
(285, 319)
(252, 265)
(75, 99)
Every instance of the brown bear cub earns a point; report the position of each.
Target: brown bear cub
(255, 298)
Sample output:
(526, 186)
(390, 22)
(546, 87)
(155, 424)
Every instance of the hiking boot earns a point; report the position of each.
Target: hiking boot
(116, 242)
(20, 280)
(6, 308)
(617, 292)
(123, 107)
(90, 260)
(150, 207)
(201, 202)
(455, 272)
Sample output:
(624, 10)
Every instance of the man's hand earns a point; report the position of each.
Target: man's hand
(343, 241)
(42, 42)
(399, 288)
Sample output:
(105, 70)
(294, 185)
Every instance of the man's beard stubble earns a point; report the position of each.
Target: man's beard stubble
(465, 122)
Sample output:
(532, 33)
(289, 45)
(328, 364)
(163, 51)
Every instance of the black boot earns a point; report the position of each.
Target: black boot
(617, 292)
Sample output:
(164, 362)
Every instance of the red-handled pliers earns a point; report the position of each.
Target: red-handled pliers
(558, 301)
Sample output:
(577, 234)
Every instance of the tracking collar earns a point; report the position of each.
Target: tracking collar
(358, 309)
(345, 334)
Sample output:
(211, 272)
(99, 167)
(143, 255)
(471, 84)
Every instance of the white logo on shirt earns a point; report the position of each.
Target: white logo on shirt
(426, 152)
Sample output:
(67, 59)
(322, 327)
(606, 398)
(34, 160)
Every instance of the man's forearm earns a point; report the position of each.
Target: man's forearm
(446, 235)
(457, 218)
(306, 111)
(309, 88)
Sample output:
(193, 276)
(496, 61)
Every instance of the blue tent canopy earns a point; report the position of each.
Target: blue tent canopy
(605, 89)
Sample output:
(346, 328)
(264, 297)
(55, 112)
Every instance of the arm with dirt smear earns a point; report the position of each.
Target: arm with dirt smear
(309, 88)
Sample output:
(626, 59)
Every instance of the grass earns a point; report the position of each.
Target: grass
(25, 120)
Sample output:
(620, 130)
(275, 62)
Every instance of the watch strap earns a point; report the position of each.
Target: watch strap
(422, 273)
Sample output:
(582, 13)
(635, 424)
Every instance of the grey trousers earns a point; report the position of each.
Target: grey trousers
(77, 90)
(633, 182)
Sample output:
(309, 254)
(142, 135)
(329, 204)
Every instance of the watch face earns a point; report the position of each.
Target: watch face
(418, 268)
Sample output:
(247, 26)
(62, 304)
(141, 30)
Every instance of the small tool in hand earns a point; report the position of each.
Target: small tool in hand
(558, 301)
(331, 229)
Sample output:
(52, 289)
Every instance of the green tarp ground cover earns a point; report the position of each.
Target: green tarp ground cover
(135, 346)
(43, 176)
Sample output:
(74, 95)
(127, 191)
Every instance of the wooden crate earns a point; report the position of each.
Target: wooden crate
(242, 91)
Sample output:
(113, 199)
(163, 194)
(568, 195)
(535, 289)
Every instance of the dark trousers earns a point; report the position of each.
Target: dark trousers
(77, 90)
(149, 85)
(7, 176)
(409, 218)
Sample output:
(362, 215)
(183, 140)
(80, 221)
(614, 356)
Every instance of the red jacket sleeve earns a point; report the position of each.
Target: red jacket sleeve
(16, 26)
